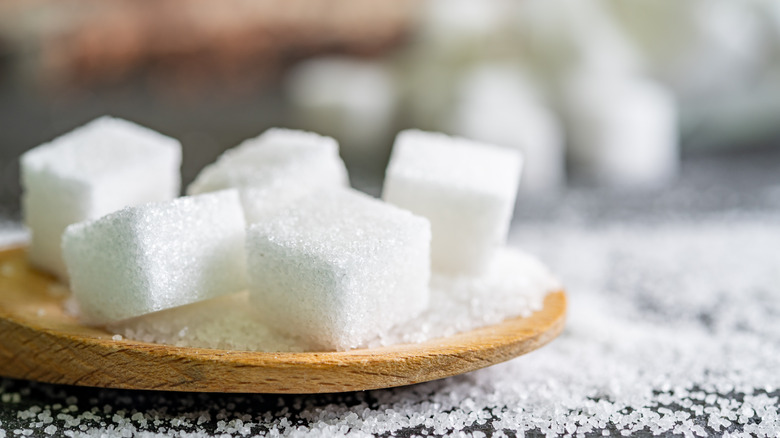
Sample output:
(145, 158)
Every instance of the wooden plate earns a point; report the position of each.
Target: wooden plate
(39, 342)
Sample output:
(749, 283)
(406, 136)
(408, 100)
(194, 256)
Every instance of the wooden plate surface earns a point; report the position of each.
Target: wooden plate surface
(38, 341)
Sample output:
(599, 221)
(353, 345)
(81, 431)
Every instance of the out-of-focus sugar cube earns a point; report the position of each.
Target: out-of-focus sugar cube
(498, 105)
(351, 99)
(623, 130)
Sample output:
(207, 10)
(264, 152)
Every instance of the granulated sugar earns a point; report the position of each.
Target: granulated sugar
(12, 233)
(226, 323)
(673, 329)
(515, 286)
(339, 268)
(157, 256)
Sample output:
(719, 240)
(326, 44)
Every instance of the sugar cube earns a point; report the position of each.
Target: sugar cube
(157, 256)
(465, 188)
(339, 268)
(623, 130)
(94, 170)
(276, 167)
(497, 104)
(353, 99)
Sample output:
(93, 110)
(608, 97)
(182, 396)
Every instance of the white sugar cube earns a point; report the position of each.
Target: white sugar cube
(352, 99)
(276, 167)
(340, 268)
(624, 130)
(465, 188)
(157, 256)
(94, 170)
(496, 104)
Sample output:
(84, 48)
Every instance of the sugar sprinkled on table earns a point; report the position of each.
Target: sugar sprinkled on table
(687, 365)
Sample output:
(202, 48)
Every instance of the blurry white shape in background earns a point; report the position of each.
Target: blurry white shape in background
(553, 36)
(705, 44)
(720, 57)
(622, 129)
(350, 99)
(628, 82)
(497, 104)
(453, 22)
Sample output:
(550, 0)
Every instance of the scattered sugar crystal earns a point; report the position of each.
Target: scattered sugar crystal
(157, 256)
(277, 167)
(339, 268)
(225, 323)
(514, 285)
(116, 337)
(465, 188)
(91, 171)
(661, 316)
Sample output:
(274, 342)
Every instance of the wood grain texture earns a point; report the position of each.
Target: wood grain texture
(39, 342)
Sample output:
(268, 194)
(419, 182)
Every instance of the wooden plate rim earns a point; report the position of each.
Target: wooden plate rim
(90, 357)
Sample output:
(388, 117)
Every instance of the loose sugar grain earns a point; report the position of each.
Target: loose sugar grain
(672, 331)
(515, 285)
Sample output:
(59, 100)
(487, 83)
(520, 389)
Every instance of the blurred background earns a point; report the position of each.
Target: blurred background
(651, 104)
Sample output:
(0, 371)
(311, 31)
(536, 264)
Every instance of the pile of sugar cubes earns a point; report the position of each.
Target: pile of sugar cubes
(322, 263)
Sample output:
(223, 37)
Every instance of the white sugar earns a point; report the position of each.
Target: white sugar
(157, 256)
(339, 268)
(515, 285)
(352, 99)
(672, 328)
(465, 188)
(277, 167)
(91, 171)
(623, 130)
(12, 233)
(496, 104)
(227, 322)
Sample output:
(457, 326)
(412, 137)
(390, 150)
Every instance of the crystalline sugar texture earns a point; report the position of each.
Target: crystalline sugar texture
(157, 256)
(94, 170)
(339, 269)
(277, 167)
(465, 188)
